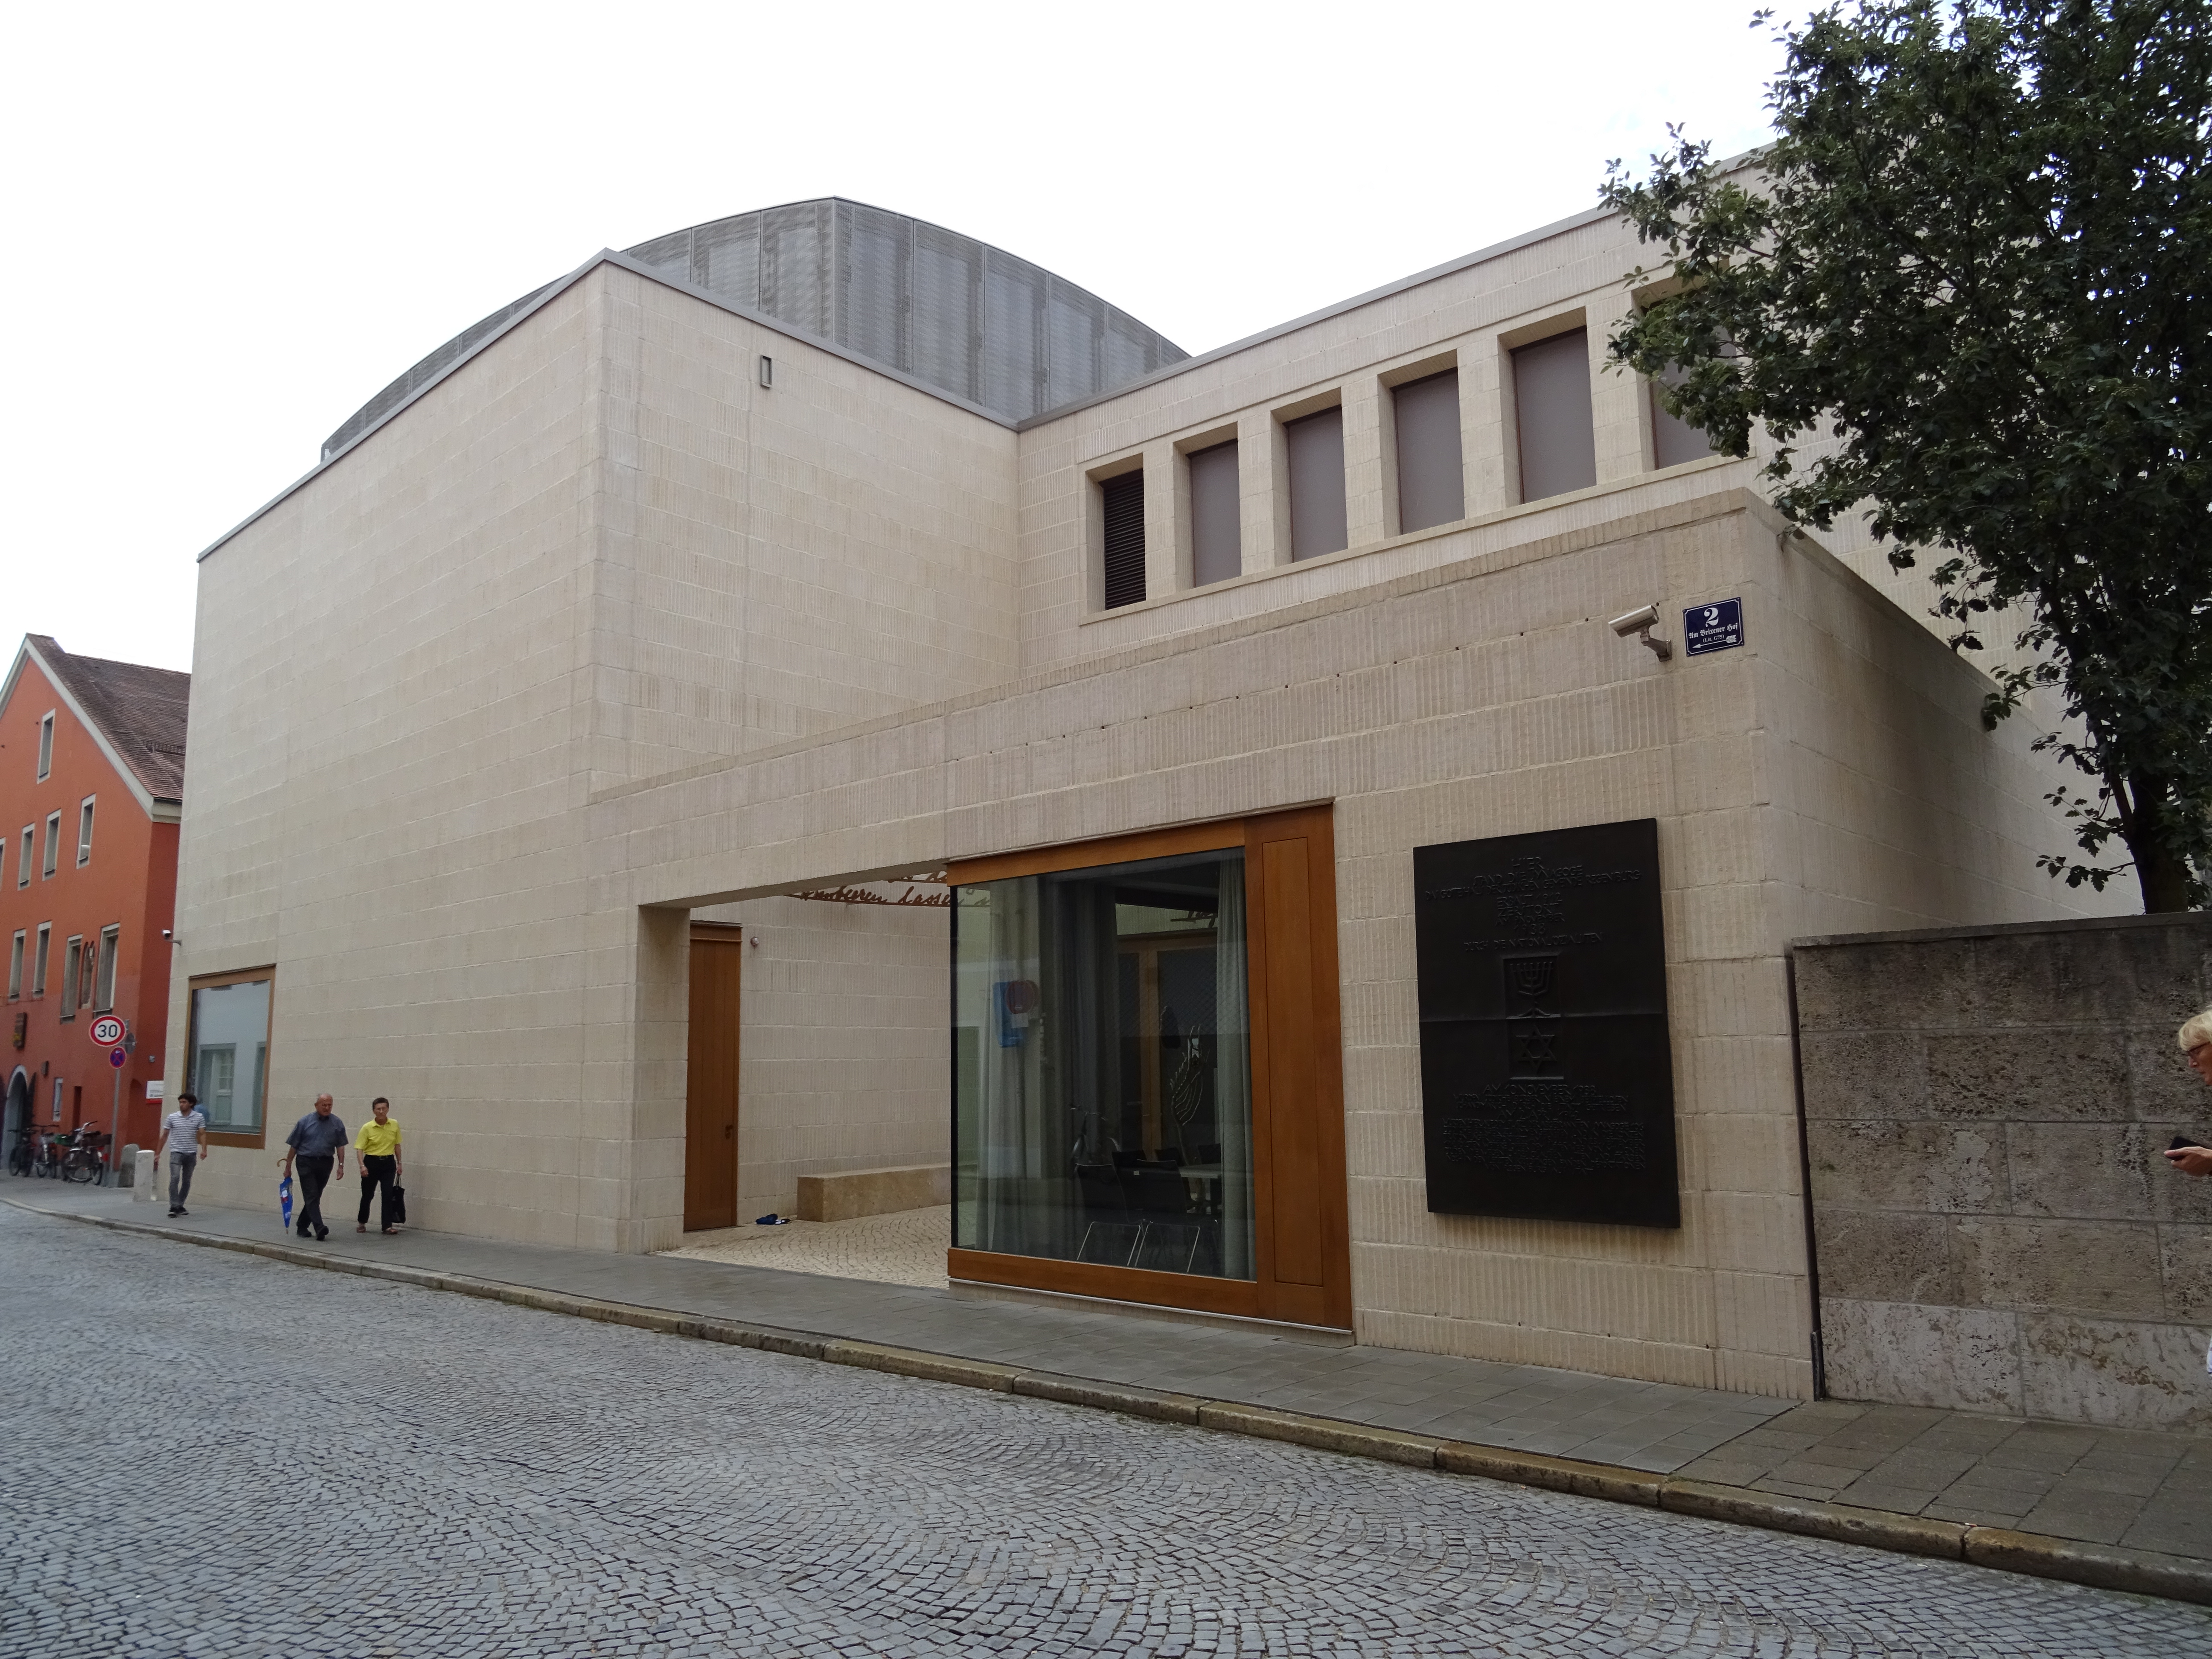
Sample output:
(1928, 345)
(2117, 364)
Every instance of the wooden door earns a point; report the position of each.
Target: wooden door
(1297, 1096)
(710, 1115)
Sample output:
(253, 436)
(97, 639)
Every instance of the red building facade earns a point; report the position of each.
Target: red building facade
(92, 770)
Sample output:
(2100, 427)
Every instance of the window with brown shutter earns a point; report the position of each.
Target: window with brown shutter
(1123, 503)
(1216, 511)
(1315, 444)
(1551, 399)
(1431, 489)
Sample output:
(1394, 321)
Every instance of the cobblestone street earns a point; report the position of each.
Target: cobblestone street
(299, 1463)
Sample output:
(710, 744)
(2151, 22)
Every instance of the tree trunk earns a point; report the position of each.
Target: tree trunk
(2165, 877)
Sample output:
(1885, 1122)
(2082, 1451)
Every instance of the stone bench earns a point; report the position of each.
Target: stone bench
(849, 1193)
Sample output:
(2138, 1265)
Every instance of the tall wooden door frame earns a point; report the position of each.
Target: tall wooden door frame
(710, 1105)
(1297, 1076)
(1302, 1226)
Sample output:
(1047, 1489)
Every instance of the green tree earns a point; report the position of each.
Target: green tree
(1978, 261)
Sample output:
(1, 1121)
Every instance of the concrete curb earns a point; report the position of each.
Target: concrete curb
(2099, 1566)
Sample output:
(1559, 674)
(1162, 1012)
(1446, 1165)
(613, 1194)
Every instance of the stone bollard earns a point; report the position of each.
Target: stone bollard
(126, 1164)
(146, 1161)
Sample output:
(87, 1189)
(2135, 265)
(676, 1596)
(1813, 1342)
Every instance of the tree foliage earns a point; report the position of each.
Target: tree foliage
(1967, 290)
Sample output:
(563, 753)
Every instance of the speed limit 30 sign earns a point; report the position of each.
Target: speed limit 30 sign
(107, 1031)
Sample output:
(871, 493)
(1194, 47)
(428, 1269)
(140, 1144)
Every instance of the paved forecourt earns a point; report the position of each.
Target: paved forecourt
(274, 1461)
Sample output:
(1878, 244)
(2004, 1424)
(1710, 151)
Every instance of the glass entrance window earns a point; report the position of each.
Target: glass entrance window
(1102, 1070)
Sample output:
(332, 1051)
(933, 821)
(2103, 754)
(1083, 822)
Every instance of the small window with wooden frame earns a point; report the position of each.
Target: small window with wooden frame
(111, 942)
(226, 1052)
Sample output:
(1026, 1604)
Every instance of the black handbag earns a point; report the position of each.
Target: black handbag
(399, 1205)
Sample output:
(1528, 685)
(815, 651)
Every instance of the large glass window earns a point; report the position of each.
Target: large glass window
(1102, 1073)
(228, 1054)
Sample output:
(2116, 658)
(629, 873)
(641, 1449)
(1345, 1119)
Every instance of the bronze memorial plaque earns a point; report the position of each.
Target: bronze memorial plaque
(1547, 1080)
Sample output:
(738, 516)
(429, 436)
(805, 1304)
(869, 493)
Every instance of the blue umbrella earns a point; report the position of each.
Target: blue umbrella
(284, 1199)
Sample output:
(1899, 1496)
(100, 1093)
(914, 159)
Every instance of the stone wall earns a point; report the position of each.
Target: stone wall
(1985, 1109)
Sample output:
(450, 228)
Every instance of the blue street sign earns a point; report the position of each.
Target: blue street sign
(116, 1056)
(1716, 627)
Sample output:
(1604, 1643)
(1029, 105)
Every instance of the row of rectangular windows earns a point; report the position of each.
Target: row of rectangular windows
(26, 860)
(1555, 442)
(87, 968)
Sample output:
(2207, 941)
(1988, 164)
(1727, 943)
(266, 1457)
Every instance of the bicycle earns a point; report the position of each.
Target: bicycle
(84, 1164)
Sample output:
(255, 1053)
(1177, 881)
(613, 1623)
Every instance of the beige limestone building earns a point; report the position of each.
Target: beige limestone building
(820, 548)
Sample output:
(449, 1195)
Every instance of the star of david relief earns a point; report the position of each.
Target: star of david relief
(1535, 1048)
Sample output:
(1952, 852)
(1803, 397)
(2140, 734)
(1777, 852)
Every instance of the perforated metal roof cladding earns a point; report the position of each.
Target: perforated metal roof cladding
(953, 313)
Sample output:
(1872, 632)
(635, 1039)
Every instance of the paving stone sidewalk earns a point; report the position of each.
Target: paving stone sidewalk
(2150, 1492)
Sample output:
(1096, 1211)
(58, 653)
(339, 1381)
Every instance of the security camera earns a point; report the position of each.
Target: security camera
(1636, 621)
(1640, 622)
(165, 932)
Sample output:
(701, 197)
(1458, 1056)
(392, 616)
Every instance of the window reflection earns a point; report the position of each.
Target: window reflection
(228, 1054)
(1102, 1101)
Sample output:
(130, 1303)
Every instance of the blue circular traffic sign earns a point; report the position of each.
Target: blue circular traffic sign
(117, 1056)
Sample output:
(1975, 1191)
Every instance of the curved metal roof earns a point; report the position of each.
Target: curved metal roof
(944, 309)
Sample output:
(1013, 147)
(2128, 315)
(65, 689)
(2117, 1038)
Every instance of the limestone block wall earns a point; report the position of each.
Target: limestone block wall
(1469, 316)
(1985, 1110)
(378, 794)
(597, 550)
(783, 560)
(1483, 696)
(844, 1052)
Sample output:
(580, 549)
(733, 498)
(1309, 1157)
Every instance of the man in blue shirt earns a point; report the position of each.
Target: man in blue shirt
(317, 1140)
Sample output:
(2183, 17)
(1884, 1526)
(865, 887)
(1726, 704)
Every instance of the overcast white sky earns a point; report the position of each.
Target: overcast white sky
(227, 226)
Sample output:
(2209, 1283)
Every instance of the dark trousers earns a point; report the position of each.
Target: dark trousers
(314, 1175)
(377, 1172)
(181, 1165)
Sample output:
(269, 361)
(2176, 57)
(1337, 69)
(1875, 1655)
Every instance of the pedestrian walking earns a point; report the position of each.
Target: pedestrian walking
(2195, 1037)
(318, 1142)
(184, 1133)
(378, 1146)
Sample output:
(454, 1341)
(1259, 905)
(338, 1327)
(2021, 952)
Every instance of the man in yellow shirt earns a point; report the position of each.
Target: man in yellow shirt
(378, 1143)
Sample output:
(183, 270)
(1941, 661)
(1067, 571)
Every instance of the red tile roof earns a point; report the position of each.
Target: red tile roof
(141, 710)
